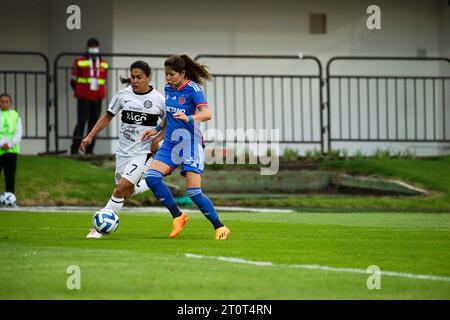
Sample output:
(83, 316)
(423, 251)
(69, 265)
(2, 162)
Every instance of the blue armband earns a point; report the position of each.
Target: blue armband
(158, 128)
(190, 119)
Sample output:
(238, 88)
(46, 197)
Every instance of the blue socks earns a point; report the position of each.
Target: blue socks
(205, 205)
(153, 178)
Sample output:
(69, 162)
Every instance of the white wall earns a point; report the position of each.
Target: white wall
(445, 29)
(282, 27)
(262, 27)
(40, 25)
(24, 25)
(258, 27)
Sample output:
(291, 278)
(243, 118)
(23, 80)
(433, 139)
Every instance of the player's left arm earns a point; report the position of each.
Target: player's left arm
(203, 114)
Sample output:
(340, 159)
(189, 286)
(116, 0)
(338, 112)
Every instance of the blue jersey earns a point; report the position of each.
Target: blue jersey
(186, 99)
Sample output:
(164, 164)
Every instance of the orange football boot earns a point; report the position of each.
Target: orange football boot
(222, 233)
(178, 224)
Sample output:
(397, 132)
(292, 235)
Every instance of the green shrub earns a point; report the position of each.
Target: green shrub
(290, 154)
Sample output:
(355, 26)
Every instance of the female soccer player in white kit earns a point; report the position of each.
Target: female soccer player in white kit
(141, 107)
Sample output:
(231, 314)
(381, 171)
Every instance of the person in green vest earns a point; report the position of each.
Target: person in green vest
(10, 136)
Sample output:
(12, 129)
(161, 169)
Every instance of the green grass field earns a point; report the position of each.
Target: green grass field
(139, 261)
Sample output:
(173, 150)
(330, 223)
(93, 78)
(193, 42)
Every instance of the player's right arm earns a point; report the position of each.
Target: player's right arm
(159, 131)
(101, 124)
(157, 140)
(153, 131)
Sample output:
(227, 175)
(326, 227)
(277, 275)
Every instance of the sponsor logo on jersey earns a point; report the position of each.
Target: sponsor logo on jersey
(140, 118)
(174, 110)
(133, 108)
(132, 105)
(130, 133)
(136, 117)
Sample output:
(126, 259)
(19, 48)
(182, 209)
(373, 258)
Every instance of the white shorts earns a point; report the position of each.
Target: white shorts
(131, 168)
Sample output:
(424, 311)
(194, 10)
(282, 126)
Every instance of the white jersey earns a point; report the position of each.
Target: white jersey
(140, 112)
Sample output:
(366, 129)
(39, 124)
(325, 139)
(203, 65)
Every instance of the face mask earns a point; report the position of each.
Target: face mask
(94, 50)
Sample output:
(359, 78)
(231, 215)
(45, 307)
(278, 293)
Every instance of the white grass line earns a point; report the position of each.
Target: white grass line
(319, 267)
(244, 209)
(135, 209)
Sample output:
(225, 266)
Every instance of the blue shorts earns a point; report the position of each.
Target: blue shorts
(190, 155)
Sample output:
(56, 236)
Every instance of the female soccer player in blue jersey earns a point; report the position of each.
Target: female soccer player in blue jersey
(183, 144)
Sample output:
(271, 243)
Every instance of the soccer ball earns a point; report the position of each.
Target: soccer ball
(105, 221)
(8, 199)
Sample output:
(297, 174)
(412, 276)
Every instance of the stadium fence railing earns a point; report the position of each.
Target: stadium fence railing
(25, 76)
(388, 100)
(370, 100)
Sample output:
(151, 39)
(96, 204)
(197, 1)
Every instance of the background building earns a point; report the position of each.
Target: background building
(411, 28)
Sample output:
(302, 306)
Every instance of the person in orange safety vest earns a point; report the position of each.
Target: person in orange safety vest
(88, 81)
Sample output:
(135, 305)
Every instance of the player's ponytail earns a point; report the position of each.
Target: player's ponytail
(194, 71)
(144, 66)
(126, 81)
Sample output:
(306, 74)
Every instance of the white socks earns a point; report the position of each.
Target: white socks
(115, 204)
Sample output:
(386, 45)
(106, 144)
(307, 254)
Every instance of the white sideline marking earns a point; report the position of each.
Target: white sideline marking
(319, 267)
(135, 209)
